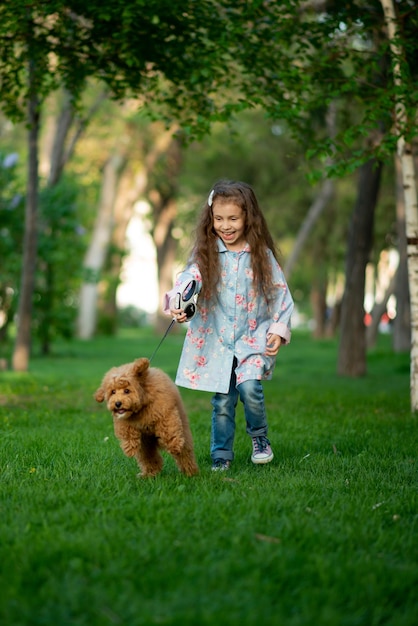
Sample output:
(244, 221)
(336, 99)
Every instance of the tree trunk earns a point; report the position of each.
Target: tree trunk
(315, 210)
(411, 211)
(21, 354)
(410, 192)
(162, 197)
(79, 126)
(319, 307)
(130, 188)
(69, 128)
(321, 201)
(402, 321)
(166, 247)
(376, 313)
(160, 151)
(333, 322)
(97, 252)
(352, 348)
(63, 126)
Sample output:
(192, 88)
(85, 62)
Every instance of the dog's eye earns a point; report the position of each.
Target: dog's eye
(113, 391)
(126, 391)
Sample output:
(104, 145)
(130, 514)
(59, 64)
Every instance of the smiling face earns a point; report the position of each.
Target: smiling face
(122, 392)
(229, 224)
(124, 389)
(121, 397)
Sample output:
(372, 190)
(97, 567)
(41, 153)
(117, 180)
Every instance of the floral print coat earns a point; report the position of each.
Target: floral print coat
(236, 325)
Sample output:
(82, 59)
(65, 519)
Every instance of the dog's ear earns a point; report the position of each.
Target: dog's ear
(140, 366)
(99, 395)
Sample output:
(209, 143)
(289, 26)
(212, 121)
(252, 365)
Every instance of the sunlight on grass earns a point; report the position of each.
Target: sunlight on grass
(324, 535)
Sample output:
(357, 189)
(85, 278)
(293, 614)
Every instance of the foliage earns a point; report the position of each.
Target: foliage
(323, 535)
(175, 59)
(263, 152)
(131, 317)
(151, 50)
(290, 57)
(11, 232)
(61, 250)
(260, 152)
(300, 56)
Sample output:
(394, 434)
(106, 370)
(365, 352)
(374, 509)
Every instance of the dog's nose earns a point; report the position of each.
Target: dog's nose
(118, 404)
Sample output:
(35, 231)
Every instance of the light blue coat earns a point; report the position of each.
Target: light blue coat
(236, 325)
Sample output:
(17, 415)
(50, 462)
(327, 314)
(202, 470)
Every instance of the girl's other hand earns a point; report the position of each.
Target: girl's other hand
(273, 344)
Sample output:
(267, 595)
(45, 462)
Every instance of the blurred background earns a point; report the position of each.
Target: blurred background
(117, 120)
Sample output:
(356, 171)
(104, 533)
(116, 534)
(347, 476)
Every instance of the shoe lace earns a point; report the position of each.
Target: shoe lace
(260, 444)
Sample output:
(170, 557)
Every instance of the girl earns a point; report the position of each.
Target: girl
(242, 319)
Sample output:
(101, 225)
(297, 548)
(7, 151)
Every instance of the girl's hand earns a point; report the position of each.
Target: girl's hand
(273, 344)
(179, 315)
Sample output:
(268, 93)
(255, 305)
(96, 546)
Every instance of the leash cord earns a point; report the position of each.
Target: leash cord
(165, 335)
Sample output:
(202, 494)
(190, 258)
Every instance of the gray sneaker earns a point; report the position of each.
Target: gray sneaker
(221, 465)
(262, 452)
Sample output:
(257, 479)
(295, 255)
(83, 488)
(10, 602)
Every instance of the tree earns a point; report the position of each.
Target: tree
(351, 358)
(402, 322)
(316, 52)
(162, 193)
(152, 49)
(149, 173)
(322, 199)
(403, 123)
(11, 217)
(61, 248)
(98, 249)
(27, 282)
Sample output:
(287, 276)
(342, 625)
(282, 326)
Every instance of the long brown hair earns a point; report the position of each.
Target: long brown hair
(205, 252)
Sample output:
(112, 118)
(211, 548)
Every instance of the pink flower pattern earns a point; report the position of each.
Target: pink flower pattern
(235, 326)
(200, 361)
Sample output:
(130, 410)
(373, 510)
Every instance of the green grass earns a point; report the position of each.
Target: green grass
(324, 535)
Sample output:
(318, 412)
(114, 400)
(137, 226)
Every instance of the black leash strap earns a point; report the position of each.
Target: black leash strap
(165, 335)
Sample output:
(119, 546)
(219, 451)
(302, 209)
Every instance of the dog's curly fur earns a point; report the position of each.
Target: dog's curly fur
(148, 414)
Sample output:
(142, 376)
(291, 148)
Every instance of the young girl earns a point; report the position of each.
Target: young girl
(242, 319)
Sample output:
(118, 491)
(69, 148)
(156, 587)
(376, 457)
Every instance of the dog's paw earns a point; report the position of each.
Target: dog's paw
(147, 474)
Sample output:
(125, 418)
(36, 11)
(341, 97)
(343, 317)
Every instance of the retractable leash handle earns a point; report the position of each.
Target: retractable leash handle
(185, 300)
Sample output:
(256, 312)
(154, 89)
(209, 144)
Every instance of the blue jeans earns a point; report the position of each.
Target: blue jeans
(251, 395)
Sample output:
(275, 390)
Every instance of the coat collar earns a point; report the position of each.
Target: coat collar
(222, 247)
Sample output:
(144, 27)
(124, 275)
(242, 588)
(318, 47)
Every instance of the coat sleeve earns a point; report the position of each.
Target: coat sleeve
(189, 273)
(282, 305)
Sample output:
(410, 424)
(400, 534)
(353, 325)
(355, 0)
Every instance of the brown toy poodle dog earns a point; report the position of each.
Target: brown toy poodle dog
(148, 414)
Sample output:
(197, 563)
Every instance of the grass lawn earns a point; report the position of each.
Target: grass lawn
(324, 535)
